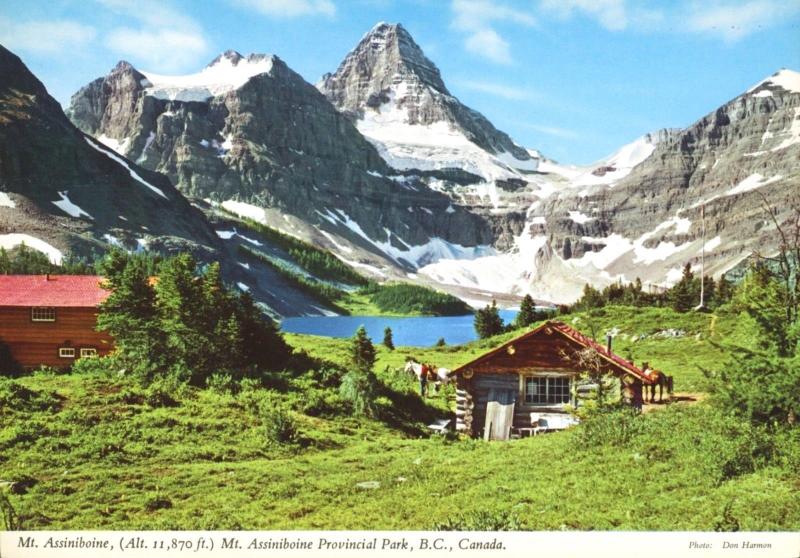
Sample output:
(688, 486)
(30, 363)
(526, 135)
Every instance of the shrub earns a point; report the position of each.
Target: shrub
(222, 383)
(763, 389)
(161, 393)
(8, 365)
(483, 520)
(16, 397)
(279, 425)
(726, 521)
(157, 502)
(323, 403)
(9, 520)
(360, 389)
(616, 426)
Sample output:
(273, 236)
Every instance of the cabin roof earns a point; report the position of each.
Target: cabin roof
(66, 291)
(615, 361)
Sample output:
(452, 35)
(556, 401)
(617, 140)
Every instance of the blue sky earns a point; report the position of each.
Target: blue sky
(575, 79)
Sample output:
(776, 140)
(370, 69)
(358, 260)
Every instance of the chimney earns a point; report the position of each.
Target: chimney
(608, 342)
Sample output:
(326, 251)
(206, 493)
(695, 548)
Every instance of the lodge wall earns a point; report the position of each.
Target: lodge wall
(472, 397)
(33, 344)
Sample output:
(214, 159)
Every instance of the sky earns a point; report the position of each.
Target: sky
(574, 79)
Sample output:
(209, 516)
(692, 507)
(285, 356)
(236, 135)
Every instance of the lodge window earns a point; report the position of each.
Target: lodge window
(43, 314)
(88, 352)
(546, 390)
(66, 352)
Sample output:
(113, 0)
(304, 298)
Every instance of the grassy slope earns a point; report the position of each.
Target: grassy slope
(103, 459)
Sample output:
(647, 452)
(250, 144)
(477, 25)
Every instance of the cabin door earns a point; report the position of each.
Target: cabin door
(499, 414)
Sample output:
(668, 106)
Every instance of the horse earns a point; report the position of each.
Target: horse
(659, 379)
(428, 373)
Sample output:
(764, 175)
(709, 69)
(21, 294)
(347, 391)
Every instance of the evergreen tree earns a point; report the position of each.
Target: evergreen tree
(5, 262)
(188, 325)
(362, 352)
(765, 298)
(723, 291)
(591, 298)
(360, 385)
(488, 321)
(129, 314)
(681, 295)
(527, 312)
(388, 342)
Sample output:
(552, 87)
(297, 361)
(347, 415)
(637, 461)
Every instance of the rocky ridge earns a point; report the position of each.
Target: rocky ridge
(251, 134)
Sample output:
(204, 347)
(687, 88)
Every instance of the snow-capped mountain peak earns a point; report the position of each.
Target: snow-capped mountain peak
(399, 102)
(784, 78)
(227, 72)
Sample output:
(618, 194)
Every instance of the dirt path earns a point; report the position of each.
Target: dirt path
(678, 398)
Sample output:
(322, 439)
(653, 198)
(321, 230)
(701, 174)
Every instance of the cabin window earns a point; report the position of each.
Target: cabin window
(546, 390)
(66, 352)
(43, 314)
(88, 352)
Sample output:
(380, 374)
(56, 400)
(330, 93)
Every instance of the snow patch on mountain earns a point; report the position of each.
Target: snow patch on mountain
(117, 145)
(132, 172)
(792, 135)
(12, 240)
(417, 255)
(616, 166)
(433, 146)
(246, 210)
(752, 182)
(67, 206)
(227, 73)
(6, 201)
(787, 79)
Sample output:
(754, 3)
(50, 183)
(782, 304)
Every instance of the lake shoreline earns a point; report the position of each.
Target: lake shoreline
(411, 331)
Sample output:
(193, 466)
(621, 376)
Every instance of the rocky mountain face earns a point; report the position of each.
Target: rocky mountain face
(382, 165)
(640, 212)
(251, 134)
(387, 66)
(396, 97)
(63, 189)
(63, 192)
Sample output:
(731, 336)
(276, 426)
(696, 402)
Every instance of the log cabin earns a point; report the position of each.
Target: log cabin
(50, 320)
(535, 374)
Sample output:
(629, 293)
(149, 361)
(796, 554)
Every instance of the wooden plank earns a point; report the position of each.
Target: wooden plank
(499, 414)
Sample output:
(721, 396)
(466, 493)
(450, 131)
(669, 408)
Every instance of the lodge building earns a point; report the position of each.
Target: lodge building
(534, 375)
(51, 319)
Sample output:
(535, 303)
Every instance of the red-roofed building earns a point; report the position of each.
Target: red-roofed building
(51, 319)
(532, 375)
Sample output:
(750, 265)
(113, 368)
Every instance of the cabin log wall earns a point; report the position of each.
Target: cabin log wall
(545, 351)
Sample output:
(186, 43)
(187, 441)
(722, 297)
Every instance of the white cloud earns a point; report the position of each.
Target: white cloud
(553, 131)
(611, 14)
(476, 19)
(160, 49)
(290, 8)
(734, 20)
(490, 45)
(45, 37)
(727, 19)
(496, 89)
(166, 40)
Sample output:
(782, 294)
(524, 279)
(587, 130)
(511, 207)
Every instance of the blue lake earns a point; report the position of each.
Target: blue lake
(413, 332)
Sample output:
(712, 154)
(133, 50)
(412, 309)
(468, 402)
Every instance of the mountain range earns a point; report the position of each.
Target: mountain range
(380, 164)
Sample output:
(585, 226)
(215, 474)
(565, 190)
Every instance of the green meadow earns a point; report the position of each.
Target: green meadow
(97, 450)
